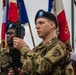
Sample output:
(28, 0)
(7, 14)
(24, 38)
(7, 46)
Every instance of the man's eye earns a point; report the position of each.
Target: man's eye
(9, 33)
(41, 22)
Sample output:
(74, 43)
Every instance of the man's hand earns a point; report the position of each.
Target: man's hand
(18, 43)
(11, 72)
(20, 72)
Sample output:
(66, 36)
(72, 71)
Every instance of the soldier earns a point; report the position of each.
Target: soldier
(50, 57)
(4, 52)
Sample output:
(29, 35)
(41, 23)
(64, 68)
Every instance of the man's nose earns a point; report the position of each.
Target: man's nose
(37, 26)
(8, 36)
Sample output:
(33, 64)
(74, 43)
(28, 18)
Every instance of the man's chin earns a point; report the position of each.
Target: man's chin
(40, 36)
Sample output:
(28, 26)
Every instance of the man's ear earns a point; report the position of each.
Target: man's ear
(23, 34)
(52, 24)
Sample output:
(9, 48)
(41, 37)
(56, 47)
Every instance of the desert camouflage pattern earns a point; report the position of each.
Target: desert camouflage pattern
(4, 59)
(51, 58)
(4, 56)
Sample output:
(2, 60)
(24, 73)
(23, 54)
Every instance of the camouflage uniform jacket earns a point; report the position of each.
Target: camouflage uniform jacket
(47, 59)
(4, 59)
(4, 56)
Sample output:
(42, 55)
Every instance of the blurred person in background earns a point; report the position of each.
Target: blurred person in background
(4, 52)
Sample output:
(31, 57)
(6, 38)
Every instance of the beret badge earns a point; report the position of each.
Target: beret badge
(41, 13)
(10, 26)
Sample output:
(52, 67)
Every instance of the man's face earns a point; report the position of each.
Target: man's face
(43, 27)
(10, 35)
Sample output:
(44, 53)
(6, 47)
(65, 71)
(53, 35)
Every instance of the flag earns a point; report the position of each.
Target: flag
(64, 33)
(3, 31)
(13, 11)
(13, 14)
(10, 14)
(23, 15)
(17, 7)
(4, 22)
(62, 22)
(50, 5)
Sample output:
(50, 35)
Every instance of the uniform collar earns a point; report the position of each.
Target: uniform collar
(50, 42)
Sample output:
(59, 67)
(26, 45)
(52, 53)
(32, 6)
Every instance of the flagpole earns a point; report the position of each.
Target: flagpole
(28, 25)
(72, 22)
(31, 35)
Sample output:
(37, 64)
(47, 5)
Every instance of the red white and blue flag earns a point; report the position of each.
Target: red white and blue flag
(3, 27)
(4, 22)
(13, 14)
(58, 10)
(13, 11)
